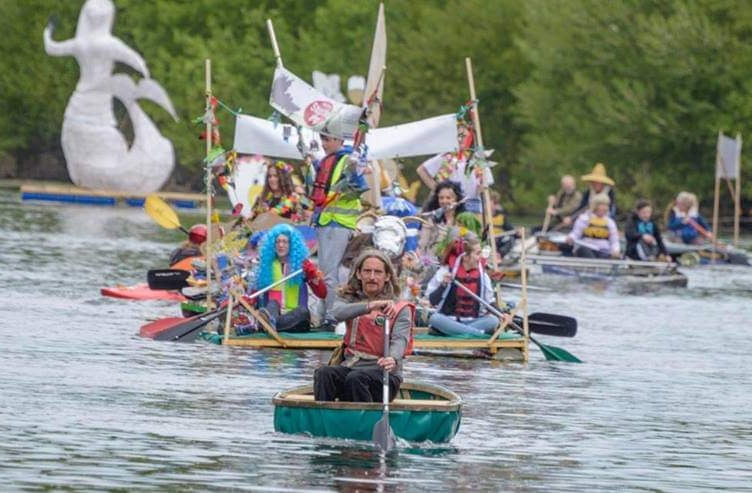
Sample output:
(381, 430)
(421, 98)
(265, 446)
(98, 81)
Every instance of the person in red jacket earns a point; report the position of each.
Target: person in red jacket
(366, 303)
(282, 252)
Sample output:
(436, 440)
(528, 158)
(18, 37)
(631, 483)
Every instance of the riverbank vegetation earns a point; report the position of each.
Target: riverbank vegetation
(643, 86)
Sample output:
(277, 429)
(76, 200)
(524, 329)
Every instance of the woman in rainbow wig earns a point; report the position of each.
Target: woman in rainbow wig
(282, 252)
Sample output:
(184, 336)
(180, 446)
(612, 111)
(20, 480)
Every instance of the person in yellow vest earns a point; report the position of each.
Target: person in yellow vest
(335, 194)
(366, 303)
(594, 233)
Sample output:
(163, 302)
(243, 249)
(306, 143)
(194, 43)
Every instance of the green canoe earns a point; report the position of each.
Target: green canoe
(422, 412)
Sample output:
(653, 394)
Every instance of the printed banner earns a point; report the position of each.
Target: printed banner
(304, 105)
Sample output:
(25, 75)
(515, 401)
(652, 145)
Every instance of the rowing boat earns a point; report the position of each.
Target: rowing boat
(421, 412)
(630, 273)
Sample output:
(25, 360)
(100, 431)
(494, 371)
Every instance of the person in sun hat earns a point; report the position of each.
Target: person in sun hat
(598, 182)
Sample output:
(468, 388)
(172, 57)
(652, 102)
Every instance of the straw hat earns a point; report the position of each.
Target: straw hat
(598, 175)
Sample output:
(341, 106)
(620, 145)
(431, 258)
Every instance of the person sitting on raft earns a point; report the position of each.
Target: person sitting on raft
(644, 240)
(190, 247)
(365, 303)
(685, 221)
(285, 307)
(594, 233)
(457, 312)
(278, 195)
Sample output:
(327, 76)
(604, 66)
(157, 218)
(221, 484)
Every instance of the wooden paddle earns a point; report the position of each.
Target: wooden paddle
(383, 435)
(552, 353)
(161, 212)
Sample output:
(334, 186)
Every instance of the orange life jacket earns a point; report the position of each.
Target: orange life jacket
(364, 335)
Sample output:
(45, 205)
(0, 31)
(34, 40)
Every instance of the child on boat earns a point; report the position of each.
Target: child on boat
(644, 240)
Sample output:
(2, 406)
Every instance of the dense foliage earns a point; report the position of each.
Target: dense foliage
(643, 86)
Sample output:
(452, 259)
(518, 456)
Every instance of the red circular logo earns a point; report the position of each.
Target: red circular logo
(317, 112)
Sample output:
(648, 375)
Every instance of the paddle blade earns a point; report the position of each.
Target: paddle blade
(552, 324)
(553, 353)
(161, 212)
(181, 330)
(167, 279)
(383, 436)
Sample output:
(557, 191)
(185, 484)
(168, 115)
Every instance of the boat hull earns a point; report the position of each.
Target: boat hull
(422, 412)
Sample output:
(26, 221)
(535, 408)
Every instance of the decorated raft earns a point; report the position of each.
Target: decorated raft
(505, 346)
(421, 412)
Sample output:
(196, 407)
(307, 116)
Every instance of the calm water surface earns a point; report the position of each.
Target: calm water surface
(662, 402)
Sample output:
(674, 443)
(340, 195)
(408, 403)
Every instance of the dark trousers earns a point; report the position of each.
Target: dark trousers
(297, 320)
(352, 385)
(585, 252)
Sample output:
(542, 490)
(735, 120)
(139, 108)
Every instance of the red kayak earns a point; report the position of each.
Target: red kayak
(141, 292)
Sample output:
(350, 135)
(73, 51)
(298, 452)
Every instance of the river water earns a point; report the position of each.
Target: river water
(661, 403)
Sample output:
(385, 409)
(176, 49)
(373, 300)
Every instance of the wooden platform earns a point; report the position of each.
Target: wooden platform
(508, 346)
(71, 194)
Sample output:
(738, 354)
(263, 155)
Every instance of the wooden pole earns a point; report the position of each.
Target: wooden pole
(208, 252)
(275, 46)
(738, 191)
(716, 194)
(487, 212)
(523, 278)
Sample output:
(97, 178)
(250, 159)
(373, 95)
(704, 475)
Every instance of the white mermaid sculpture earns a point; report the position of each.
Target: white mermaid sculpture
(96, 152)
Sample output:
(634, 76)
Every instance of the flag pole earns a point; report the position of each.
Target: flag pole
(275, 46)
(716, 193)
(487, 212)
(207, 252)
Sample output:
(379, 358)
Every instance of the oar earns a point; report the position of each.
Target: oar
(552, 353)
(162, 213)
(167, 279)
(519, 286)
(185, 330)
(550, 324)
(383, 435)
(733, 257)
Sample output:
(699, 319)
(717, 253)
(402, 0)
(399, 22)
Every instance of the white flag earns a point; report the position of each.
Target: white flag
(301, 103)
(435, 135)
(424, 137)
(729, 156)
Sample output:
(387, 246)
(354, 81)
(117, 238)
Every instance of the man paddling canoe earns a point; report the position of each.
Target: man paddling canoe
(365, 303)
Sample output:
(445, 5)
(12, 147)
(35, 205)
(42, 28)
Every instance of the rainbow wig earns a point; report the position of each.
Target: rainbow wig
(267, 254)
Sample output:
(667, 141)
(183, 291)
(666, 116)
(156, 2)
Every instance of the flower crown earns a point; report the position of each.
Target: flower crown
(284, 167)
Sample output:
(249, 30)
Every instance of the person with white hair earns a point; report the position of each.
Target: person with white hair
(594, 233)
(685, 221)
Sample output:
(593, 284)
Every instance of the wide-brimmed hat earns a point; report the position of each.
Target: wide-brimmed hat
(598, 175)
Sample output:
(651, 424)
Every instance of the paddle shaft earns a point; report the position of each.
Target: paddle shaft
(186, 327)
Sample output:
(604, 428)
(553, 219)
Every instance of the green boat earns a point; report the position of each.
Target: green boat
(421, 412)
